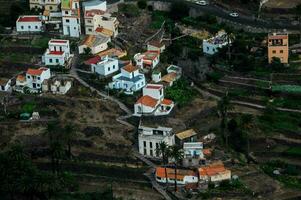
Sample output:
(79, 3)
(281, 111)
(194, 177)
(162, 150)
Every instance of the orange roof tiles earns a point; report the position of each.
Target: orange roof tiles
(36, 72)
(213, 169)
(21, 78)
(130, 68)
(148, 101)
(92, 13)
(181, 173)
(278, 37)
(169, 77)
(166, 102)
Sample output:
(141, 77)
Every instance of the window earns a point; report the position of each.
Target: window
(38, 85)
(50, 60)
(29, 27)
(50, 7)
(90, 29)
(22, 27)
(208, 49)
(113, 66)
(144, 152)
(281, 51)
(36, 27)
(109, 69)
(67, 20)
(151, 152)
(144, 144)
(38, 78)
(89, 21)
(57, 60)
(2, 87)
(150, 145)
(28, 77)
(66, 12)
(274, 51)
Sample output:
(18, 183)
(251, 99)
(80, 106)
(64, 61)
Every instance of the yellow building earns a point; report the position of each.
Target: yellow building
(278, 47)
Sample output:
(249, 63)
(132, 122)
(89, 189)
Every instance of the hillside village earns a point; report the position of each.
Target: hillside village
(145, 100)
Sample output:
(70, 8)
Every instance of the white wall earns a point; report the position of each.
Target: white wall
(29, 26)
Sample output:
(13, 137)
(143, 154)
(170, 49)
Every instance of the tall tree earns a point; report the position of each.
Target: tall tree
(176, 154)
(246, 123)
(298, 13)
(163, 150)
(68, 135)
(224, 105)
(230, 39)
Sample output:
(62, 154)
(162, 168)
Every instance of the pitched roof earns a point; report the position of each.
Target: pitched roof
(29, 19)
(181, 173)
(156, 43)
(148, 101)
(170, 77)
(93, 60)
(130, 68)
(58, 41)
(151, 55)
(104, 31)
(113, 52)
(186, 134)
(94, 40)
(154, 86)
(56, 52)
(92, 13)
(213, 169)
(21, 78)
(166, 102)
(36, 72)
(4, 81)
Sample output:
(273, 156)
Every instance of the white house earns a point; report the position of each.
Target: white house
(5, 85)
(155, 45)
(29, 23)
(129, 79)
(58, 52)
(35, 78)
(211, 45)
(151, 132)
(71, 18)
(193, 153)
(97, 20)
(214, 172)
(47, 5)
(103, 66)
(96, 43)
(183, 176)
(153, 102)
(149, 59)
(57, 85)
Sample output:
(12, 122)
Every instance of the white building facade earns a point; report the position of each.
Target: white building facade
(153, 102)
(58, 52)
(150, 136)
(71, 18)
(29, 24)
(130, 80)
(35, 78)
(105, 66)
(212, 45)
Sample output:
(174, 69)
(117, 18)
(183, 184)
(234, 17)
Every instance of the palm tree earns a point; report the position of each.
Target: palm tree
(69, 135)
(298, 13)
(177, 155)
(246, 123)
(164, 151)
(224, 105)
(230, 38)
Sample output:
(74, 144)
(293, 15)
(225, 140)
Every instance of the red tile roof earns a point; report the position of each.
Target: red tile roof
(153, 86)
(212, 169)
(93, 60)
(181, 173)
(29, 19)
(130, 68)
(166, 102)
(147, 101)
(92, 13)
(36, 72)
(58, 41)
(56, 53)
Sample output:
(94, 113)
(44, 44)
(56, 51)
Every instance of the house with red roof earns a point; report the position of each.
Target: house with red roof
(149, 59)
(129, 80)
(214, 172)
(153, 102)
(58, 52)
(156, 45)
(29, 24)
(183, 176)
(98, 21)
(35, 78)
